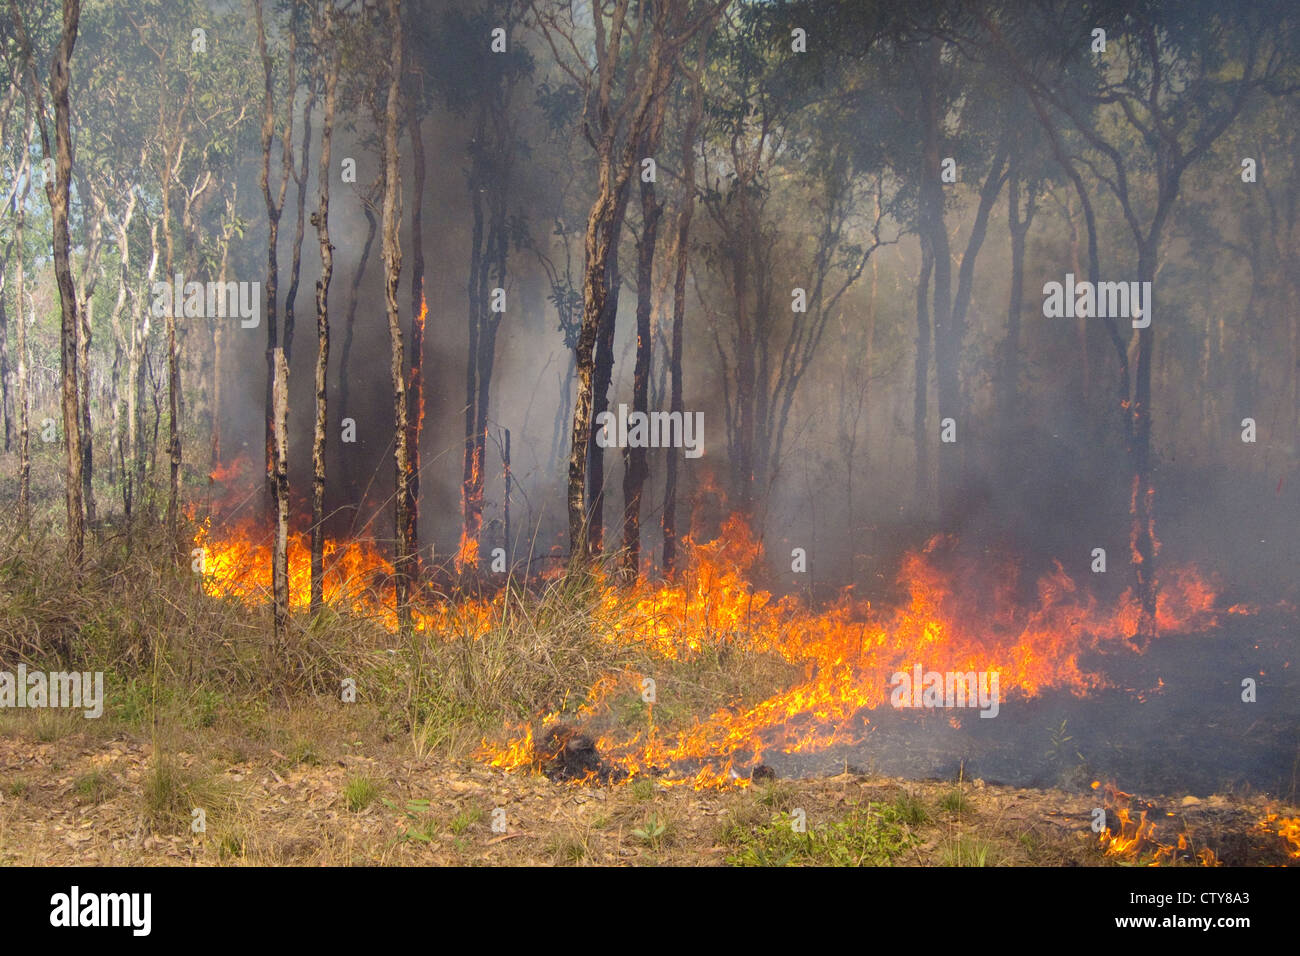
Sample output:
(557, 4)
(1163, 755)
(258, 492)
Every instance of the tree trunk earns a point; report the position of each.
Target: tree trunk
(392, 251)
(1010, 371)
(419, 313)
(920, 432)
(635, 469)
(24, 435)
(274, 206)
(345, 363)
(1143, 541)
(679, 320)
(295, 254)
(947, 348)
(58, 192)
(280, 555)
(322, 322)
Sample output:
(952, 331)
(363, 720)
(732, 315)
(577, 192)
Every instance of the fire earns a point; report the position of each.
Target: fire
(850, 651)
(1288, 828)
(847, 653)
(1138, 838)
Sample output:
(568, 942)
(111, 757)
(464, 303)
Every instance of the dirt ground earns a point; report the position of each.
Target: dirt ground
(354, 797)
(306, 792)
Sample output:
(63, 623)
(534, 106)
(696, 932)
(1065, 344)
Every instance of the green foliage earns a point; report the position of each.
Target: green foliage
(865, 836)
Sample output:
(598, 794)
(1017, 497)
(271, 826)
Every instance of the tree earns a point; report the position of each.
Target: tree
(1176, 81)
(328, 63)
(392, 253)
(635, 54)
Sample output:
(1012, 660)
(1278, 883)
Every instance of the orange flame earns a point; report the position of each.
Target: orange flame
(847, 653)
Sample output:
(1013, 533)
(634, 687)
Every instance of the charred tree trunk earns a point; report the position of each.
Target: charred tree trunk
(1143, 516)
(274, 206)
(419, 312)
(920, 402)
(682, 255)
(471, 504)
(946, 345)
(295, 254)
(322, 219)
(635, 469)
(392, 273)
(345, 363)
(280, 554)
(1009, 374)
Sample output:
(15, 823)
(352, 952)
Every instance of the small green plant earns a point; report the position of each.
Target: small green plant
(92, 787)
(18, 787)
(969, 851)
(567, 848)
(466, 819)
(421, 827)
(954, 801)
(1059, 747)
(911, 810)
(866, 836)
(643, 789)
(360, 792)
(653, 831)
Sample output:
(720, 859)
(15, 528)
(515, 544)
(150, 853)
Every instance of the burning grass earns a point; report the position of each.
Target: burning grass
(695, 679)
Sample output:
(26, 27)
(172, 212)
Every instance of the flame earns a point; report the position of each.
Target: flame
(1288, 828)
(467, 552)
(847, 653)
(1137, 838)
(850, 651)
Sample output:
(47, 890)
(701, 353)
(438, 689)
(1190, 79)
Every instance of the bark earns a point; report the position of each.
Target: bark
(1008, 379)
(24, 435)
(920, 434)
(173, 368)
(6, 382)
(392, 252)
(274, 206)
(321, 220)
(349, 325)
(635, 469)
(419, 312)
(295, 255)
(94, 225)
(280, 554)
(599, 285)
(58, 193)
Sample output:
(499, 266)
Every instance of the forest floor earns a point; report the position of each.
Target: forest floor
(322, 785)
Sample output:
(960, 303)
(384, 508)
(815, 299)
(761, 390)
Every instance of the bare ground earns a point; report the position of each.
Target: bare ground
(311, 787)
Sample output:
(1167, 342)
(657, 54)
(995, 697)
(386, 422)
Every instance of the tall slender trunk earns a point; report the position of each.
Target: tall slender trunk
(946, 344)
(6, 379)
(920, 432)
(635, 469)
(419, 313)
(173, 377)
(24, 444)
(58, 193)
(295, 253)
(280, 551)
(274, 206)
(392, 217)
(94, 228)
(1008, 379)
(322, 221)
(603, 376)
(471, 503)
(1143, 541)
(682, 255)
(345, 362)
